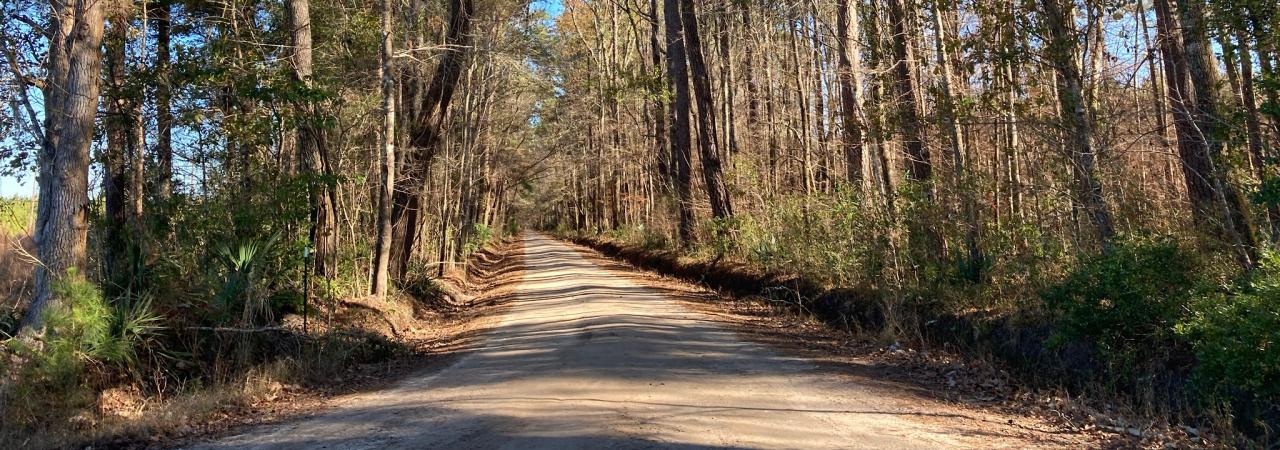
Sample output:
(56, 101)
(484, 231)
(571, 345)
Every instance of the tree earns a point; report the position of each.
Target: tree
(1077, 130)
(116, 180)
(426, 121)
(850, 76)
(163, 190)
(382, 247)
(71, 102)
(919, 166)
(1192, 81)
(310, 141)
(956, 137)
(681, 144)
(709, 155)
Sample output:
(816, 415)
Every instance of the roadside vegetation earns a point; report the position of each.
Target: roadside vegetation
(1081, 190)
(1156, 325)
(227, 222)
(235, 191)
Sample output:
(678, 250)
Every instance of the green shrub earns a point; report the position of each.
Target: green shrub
(242, 269)
(1236, 337)
(1128, 299)
(724, 236)
(650, 238)
(82, 330)
(85, 327)
(481, 234)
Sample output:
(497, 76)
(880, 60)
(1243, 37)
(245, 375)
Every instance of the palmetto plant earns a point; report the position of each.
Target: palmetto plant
(242, 262)
(134, 326)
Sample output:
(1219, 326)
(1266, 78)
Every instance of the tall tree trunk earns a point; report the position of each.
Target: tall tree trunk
(748, 68)
(309, 142)
(71, 102)
(727, 114)
(681, 158)
(1253, 124)
(957, 141)
(850, 78)
(1194, 158)
(1154, 73)
(876, 59)
(382, 248)
(660, 115)
(1013, 138)
(771, 119)
(1208, 119)
(919, 167)
(115, 180)
(712, 173)
(424, 134)
(802, 105)
(818, 89)
(1062, 49)
(164, 109)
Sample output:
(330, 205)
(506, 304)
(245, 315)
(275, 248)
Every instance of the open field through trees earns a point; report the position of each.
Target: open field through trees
(1085, 192)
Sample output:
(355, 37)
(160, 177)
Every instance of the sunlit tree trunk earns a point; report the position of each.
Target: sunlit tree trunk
(382, 247)
(424, 137)
(712, 172)
(681, 157)
(850, 78)
(71, 103)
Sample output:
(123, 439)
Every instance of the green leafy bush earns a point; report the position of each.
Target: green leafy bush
(86, 327)
(1127, 299)
(1236, 337)
(481, 234)
(242, 264)
(82, 331)
(724, 236)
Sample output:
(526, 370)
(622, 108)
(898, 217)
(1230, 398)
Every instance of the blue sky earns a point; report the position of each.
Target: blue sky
(12, 186)
(552, 7)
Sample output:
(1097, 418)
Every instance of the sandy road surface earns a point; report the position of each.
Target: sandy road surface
(587, 359)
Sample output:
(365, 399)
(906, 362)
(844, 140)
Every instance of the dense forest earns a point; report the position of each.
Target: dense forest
(1100, 174)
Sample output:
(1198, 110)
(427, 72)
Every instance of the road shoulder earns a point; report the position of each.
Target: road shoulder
(915, 380)
(452, 337)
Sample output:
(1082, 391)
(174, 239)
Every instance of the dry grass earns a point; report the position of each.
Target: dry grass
(16, 271)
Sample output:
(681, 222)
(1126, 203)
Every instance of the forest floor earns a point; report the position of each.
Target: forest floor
(592, 354)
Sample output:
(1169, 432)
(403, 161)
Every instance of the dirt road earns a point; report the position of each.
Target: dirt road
(585, 358)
